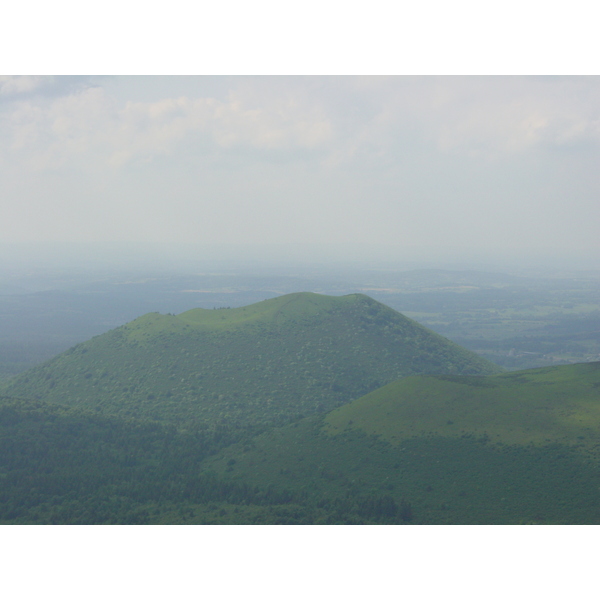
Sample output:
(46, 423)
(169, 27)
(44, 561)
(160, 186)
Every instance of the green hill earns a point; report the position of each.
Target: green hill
(60, 465)
(536, 406)
(511, 448)
(266, 363)
(522, 447)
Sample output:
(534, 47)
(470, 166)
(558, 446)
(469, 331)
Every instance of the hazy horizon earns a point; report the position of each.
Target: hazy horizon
(275, 258)
(402, 170)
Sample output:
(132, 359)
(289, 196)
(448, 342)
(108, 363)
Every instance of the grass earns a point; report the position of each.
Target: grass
(283, 311)
(538, 406)
(276, 312)
(514, 448)
(445, 480)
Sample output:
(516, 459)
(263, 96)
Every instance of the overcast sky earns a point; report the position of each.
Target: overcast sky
(475, 164)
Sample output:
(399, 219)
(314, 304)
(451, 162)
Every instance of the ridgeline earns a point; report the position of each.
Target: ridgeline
(260, 365)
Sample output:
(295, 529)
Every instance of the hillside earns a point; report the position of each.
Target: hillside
(536, 406)
(63, 465)
(60, 465)
(513, 448)
(266, 363)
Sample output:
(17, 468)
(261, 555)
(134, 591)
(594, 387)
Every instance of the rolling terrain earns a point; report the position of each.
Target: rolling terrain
(302, 409)
(512, 448)
(267, 363)
(536, 407)
(60, 465)
(518, 322)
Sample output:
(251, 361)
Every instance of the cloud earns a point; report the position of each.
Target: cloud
(11, 85)
(89, 125)
(338, 121)
(498, 116)
(297, 158)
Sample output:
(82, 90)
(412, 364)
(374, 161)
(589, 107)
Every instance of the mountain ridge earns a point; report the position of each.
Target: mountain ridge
(268, 362)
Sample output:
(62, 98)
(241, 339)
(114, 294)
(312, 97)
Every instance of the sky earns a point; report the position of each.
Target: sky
(437, 165)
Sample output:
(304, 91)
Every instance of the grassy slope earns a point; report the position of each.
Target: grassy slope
(265, 363)
(538, 406)
(505, 449)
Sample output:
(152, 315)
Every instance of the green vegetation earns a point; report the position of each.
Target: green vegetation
(515, 322)
(538, 406)
(512, 448)
(267, 363)
(519, 322)
(221, 417)
(59, 465)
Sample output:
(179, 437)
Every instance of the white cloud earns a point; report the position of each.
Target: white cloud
(11, 85)
(299, 158)
(89, 126)
(496, 116)
(340, 120)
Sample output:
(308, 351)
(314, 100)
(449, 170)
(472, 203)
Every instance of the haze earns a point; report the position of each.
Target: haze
(401, 168)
